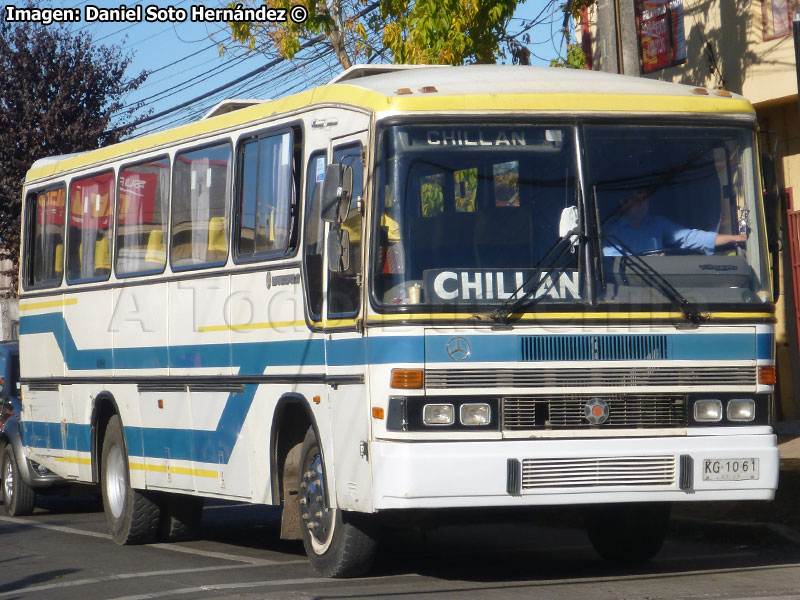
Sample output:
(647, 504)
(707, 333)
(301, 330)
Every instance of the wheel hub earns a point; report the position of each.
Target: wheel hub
(115, 481)
(316, 516)
(8, 483)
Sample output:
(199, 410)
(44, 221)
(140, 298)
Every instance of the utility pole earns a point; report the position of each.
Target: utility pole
(796, 32)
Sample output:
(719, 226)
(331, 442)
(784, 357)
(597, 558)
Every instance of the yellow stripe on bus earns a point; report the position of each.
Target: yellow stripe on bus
(135, 466)
(246, 326)
(75, 460)
(561, 315)
(48, 304)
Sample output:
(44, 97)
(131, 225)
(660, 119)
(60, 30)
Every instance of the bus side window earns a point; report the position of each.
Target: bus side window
(343, 289)
(200, 199)
(143, 208)
(45, 216)
(265, 197)
(89, 233)
(314, 235)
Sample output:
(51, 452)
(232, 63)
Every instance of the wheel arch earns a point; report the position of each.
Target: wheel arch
(103, 408)
(290, 421)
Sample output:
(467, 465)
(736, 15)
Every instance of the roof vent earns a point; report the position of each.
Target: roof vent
(230, 105)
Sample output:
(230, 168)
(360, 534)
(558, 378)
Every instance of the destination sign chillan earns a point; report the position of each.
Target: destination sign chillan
(480, 137)
(476, 286)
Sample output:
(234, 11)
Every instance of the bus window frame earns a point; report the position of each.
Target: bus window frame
(184, 150)
(28, 237)
(122, 168)
(343, 147)
(294, 203)
(313, 323)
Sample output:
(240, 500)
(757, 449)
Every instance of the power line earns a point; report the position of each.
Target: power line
(244, 77)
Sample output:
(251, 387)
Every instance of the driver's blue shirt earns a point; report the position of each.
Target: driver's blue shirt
(657, 233)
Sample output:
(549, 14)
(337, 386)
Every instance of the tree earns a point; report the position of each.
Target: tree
(575, 57)
(57, 95)
(418, 31)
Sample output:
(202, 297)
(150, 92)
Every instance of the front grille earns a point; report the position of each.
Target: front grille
(582, 378)
(531, 413)
(593, 347)
(540, 473)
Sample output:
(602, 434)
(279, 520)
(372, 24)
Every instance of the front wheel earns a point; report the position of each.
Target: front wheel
(132, 517)
(627, 533)
(336, 543)
(18, 496)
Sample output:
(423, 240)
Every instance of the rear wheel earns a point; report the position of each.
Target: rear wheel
(628, 533)
(131, 515)
(337, 543)
(18, 496)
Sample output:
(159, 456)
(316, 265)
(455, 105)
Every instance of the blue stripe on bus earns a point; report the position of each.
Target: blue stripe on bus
(216, 446)
(713, 346)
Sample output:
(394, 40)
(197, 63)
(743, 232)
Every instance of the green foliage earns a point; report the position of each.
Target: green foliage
(416, 32)
(449, 32)
(576, 58)
(57, 95)
(432, 199)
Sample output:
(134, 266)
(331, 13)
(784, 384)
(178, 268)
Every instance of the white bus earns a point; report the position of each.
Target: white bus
(410, 289)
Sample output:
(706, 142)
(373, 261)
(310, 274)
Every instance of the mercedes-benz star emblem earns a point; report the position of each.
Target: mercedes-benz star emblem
(458, 348)
(596, 411)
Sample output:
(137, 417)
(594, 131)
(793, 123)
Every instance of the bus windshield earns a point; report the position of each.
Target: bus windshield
(474, 215)
(683, 200)
(470, 215)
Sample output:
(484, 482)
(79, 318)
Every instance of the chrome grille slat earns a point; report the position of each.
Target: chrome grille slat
(653, 410)
(581, 378)
(592, 472)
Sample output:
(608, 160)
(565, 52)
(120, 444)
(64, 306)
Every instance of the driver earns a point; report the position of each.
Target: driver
(643, 233)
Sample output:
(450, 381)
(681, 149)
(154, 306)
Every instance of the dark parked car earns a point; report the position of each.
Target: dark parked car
(19, 477)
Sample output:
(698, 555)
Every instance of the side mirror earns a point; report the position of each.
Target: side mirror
(339, 250)
(772, 200)
(336, 192)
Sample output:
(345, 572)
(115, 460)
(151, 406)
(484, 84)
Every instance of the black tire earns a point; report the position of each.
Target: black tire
(338, 544)
(131, 515)
(181, 517)
(18, 497)
(628, 533)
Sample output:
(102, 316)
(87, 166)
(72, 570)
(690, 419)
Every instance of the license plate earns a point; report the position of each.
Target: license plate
(730, 469)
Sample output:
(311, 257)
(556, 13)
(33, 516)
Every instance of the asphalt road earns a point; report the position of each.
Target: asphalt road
(63, 552)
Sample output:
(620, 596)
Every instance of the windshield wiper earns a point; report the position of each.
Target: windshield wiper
(656, 280)
(513, 304)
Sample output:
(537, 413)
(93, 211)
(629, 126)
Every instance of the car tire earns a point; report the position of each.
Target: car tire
(18, 497)
(627, 533)
(338, 544)
(132, 516)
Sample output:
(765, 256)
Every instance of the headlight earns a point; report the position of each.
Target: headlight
(475, 414)
(708, 411)
(438, 414)
(742, 409)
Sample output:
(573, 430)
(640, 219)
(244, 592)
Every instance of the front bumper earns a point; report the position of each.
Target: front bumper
(476, 473)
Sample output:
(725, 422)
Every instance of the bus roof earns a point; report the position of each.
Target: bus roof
(473, 88)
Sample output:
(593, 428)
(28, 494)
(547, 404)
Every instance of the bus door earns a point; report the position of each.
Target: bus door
(345, 343)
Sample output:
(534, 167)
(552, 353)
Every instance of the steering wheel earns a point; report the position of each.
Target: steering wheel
(669, 252)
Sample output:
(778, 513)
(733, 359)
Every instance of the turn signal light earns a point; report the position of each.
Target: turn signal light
(766, 375)
(407, 379)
